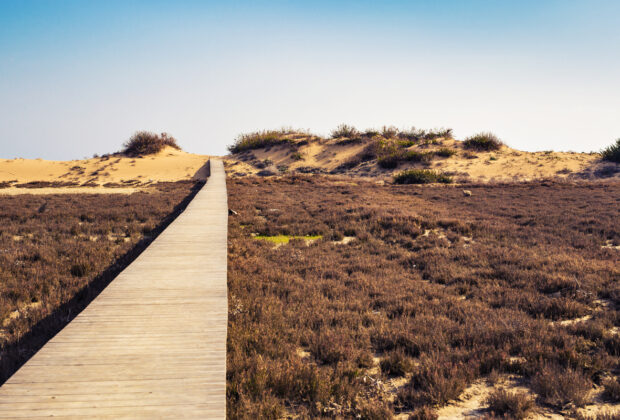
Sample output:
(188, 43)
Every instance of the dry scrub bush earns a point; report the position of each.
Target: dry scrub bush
(266, 138)
(509, 404)
(411, 287)
(557, 386)
(147, 143)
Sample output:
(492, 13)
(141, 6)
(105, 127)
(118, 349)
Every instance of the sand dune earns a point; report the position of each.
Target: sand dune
(108, 174)
(506, 164)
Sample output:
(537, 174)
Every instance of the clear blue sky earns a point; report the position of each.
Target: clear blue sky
(79, 77)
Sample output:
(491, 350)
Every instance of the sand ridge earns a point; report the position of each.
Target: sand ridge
(107, 174)
(504, 165)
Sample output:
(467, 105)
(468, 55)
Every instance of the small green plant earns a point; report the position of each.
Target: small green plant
(514, 405)
(297, 156)
(483, 142)
(612, 152)
(445, 152)
(371, 132)
(492, 158)
(344, 130)
(421, 176)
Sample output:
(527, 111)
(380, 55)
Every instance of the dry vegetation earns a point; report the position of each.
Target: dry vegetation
(412, 293)
(147, 143)
(57, 252)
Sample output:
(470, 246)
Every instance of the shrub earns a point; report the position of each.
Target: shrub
(371, 132)
(396, 364)
(421, 176)
(147, 143)
(413, 134)
(611, 390)
(514, 404)
(558, 387)
(260, 139)
(433, 384)
(344, 130)
(612, 153)
(389, 132)
(423, 413)
(445, 152)
(389, 161)
(483, 142)
(80, 269)
(413, 156)
(297, 156)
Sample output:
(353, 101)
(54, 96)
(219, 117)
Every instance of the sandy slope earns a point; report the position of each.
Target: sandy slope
(111, 174)
(503, 165)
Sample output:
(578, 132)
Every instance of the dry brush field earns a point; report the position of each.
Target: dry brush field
(403, 297)
(58, 251)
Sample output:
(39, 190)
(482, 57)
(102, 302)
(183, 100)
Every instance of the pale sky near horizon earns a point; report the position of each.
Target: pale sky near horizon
(79, 77)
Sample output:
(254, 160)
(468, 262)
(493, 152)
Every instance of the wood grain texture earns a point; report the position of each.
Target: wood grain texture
(153, 343)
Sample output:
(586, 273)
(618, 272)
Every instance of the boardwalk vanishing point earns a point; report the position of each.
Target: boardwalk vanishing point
(153, 343)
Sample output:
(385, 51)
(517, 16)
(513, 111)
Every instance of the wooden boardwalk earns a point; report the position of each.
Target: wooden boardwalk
(153, 343)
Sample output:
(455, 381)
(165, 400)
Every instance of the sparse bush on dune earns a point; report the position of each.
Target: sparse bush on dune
(265, 138)
(344, 130)
(421, 176)
(611, 390)
(483, 142)
(612, 152)
(147, 143)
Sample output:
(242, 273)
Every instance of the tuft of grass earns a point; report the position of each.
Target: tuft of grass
(344, 130)
(421, 176)
(557, 386)
(147, 143)
(612, 152)
(483, 142)
(516, 405)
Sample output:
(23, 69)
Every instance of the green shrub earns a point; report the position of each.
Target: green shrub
(421, 176)
(344, 130)
(147, 143)
(612, 153)
(483, 142)
(297, 156)
(515, 405)
(389, 161)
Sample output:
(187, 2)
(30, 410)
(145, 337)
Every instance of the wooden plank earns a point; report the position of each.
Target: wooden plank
(153, 343)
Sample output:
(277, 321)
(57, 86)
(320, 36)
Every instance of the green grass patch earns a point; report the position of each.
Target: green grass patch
(285, 239)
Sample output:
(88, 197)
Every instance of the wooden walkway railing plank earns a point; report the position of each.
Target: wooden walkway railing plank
(153, 343)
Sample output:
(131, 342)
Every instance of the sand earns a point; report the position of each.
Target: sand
(116, 174)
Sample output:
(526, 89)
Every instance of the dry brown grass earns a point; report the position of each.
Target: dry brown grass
(57, 252)
(442, 288)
